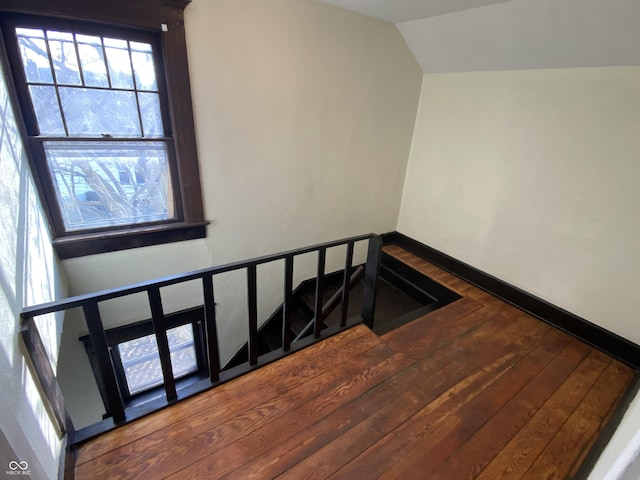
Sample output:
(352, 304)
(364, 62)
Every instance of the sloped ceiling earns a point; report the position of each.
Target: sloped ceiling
(480, 35)
(397, 11)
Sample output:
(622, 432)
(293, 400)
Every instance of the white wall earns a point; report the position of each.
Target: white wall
(532, 176)
(304, 115)
(29, 274)
(621, 458)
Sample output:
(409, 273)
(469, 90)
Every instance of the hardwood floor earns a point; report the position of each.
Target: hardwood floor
(477, 389)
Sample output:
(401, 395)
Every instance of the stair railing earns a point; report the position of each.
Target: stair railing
(89, 304)
(342, 295)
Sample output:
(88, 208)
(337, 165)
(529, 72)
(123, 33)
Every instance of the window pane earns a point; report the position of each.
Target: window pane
(150, 113)
(94, 113)
(141, 362)
(30, 32)
(65, 60)
(143, 66)
(35, 59)
(101, 184)
(91, 55)
(119, 63)
(183, 352)
(45, 104)
(115, 43)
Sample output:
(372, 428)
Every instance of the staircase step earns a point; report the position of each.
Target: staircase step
(299, 320)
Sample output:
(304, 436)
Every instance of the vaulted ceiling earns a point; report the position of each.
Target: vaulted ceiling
(477, 35)
(397, 11)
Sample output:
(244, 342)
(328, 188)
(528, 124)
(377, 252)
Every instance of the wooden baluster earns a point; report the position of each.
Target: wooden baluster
(252, 302)
(346, 284)
(288, 303)
(211, 331)
(317, 326)
(371, 273)
(103, 359)
(157, 319)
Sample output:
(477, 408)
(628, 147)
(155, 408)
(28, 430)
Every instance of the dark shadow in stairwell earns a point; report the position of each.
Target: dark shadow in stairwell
(403, 295)
(394, 307)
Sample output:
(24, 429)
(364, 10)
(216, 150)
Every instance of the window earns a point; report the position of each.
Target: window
(134, 353)
(98, 112)
(114, 166)
(140, 363)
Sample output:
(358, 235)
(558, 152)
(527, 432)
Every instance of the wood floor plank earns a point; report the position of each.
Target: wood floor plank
(574, 438)
(225, 459)
(285, 455)
(175, 448)
(429, 441)
(232, 403)
(523, 450)
(477, 389)
(316, 358)
(329, 459)
(620, 372)
(393, 447)
(472, 457)
(183, 447)
(442, 369)
(439, 328)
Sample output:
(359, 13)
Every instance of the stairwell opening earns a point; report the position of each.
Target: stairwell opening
(403, 294)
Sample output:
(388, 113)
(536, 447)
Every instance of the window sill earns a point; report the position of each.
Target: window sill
(85, 244)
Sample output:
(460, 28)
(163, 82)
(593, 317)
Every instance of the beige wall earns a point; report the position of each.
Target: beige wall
(304, 115)
(532, 176)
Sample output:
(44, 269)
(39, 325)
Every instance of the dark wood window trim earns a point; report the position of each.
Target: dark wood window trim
(148, 15)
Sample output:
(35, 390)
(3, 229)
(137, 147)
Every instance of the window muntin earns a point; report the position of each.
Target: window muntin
(119, 28)
(141, 363)
(100, 130)
(92, 85)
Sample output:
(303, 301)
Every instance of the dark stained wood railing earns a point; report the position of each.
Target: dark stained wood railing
(345, 279)
(89, 304)
(317, 324)
(288, 303)
(334, 301)
(211, 330)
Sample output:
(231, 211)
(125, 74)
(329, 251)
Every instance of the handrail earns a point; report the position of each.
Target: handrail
(79, 300)
(89, 303)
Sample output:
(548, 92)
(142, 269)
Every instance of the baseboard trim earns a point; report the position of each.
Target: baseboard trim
(596, 336)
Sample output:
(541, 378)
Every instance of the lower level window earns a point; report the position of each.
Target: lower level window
(141, 363)
(136, 361)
